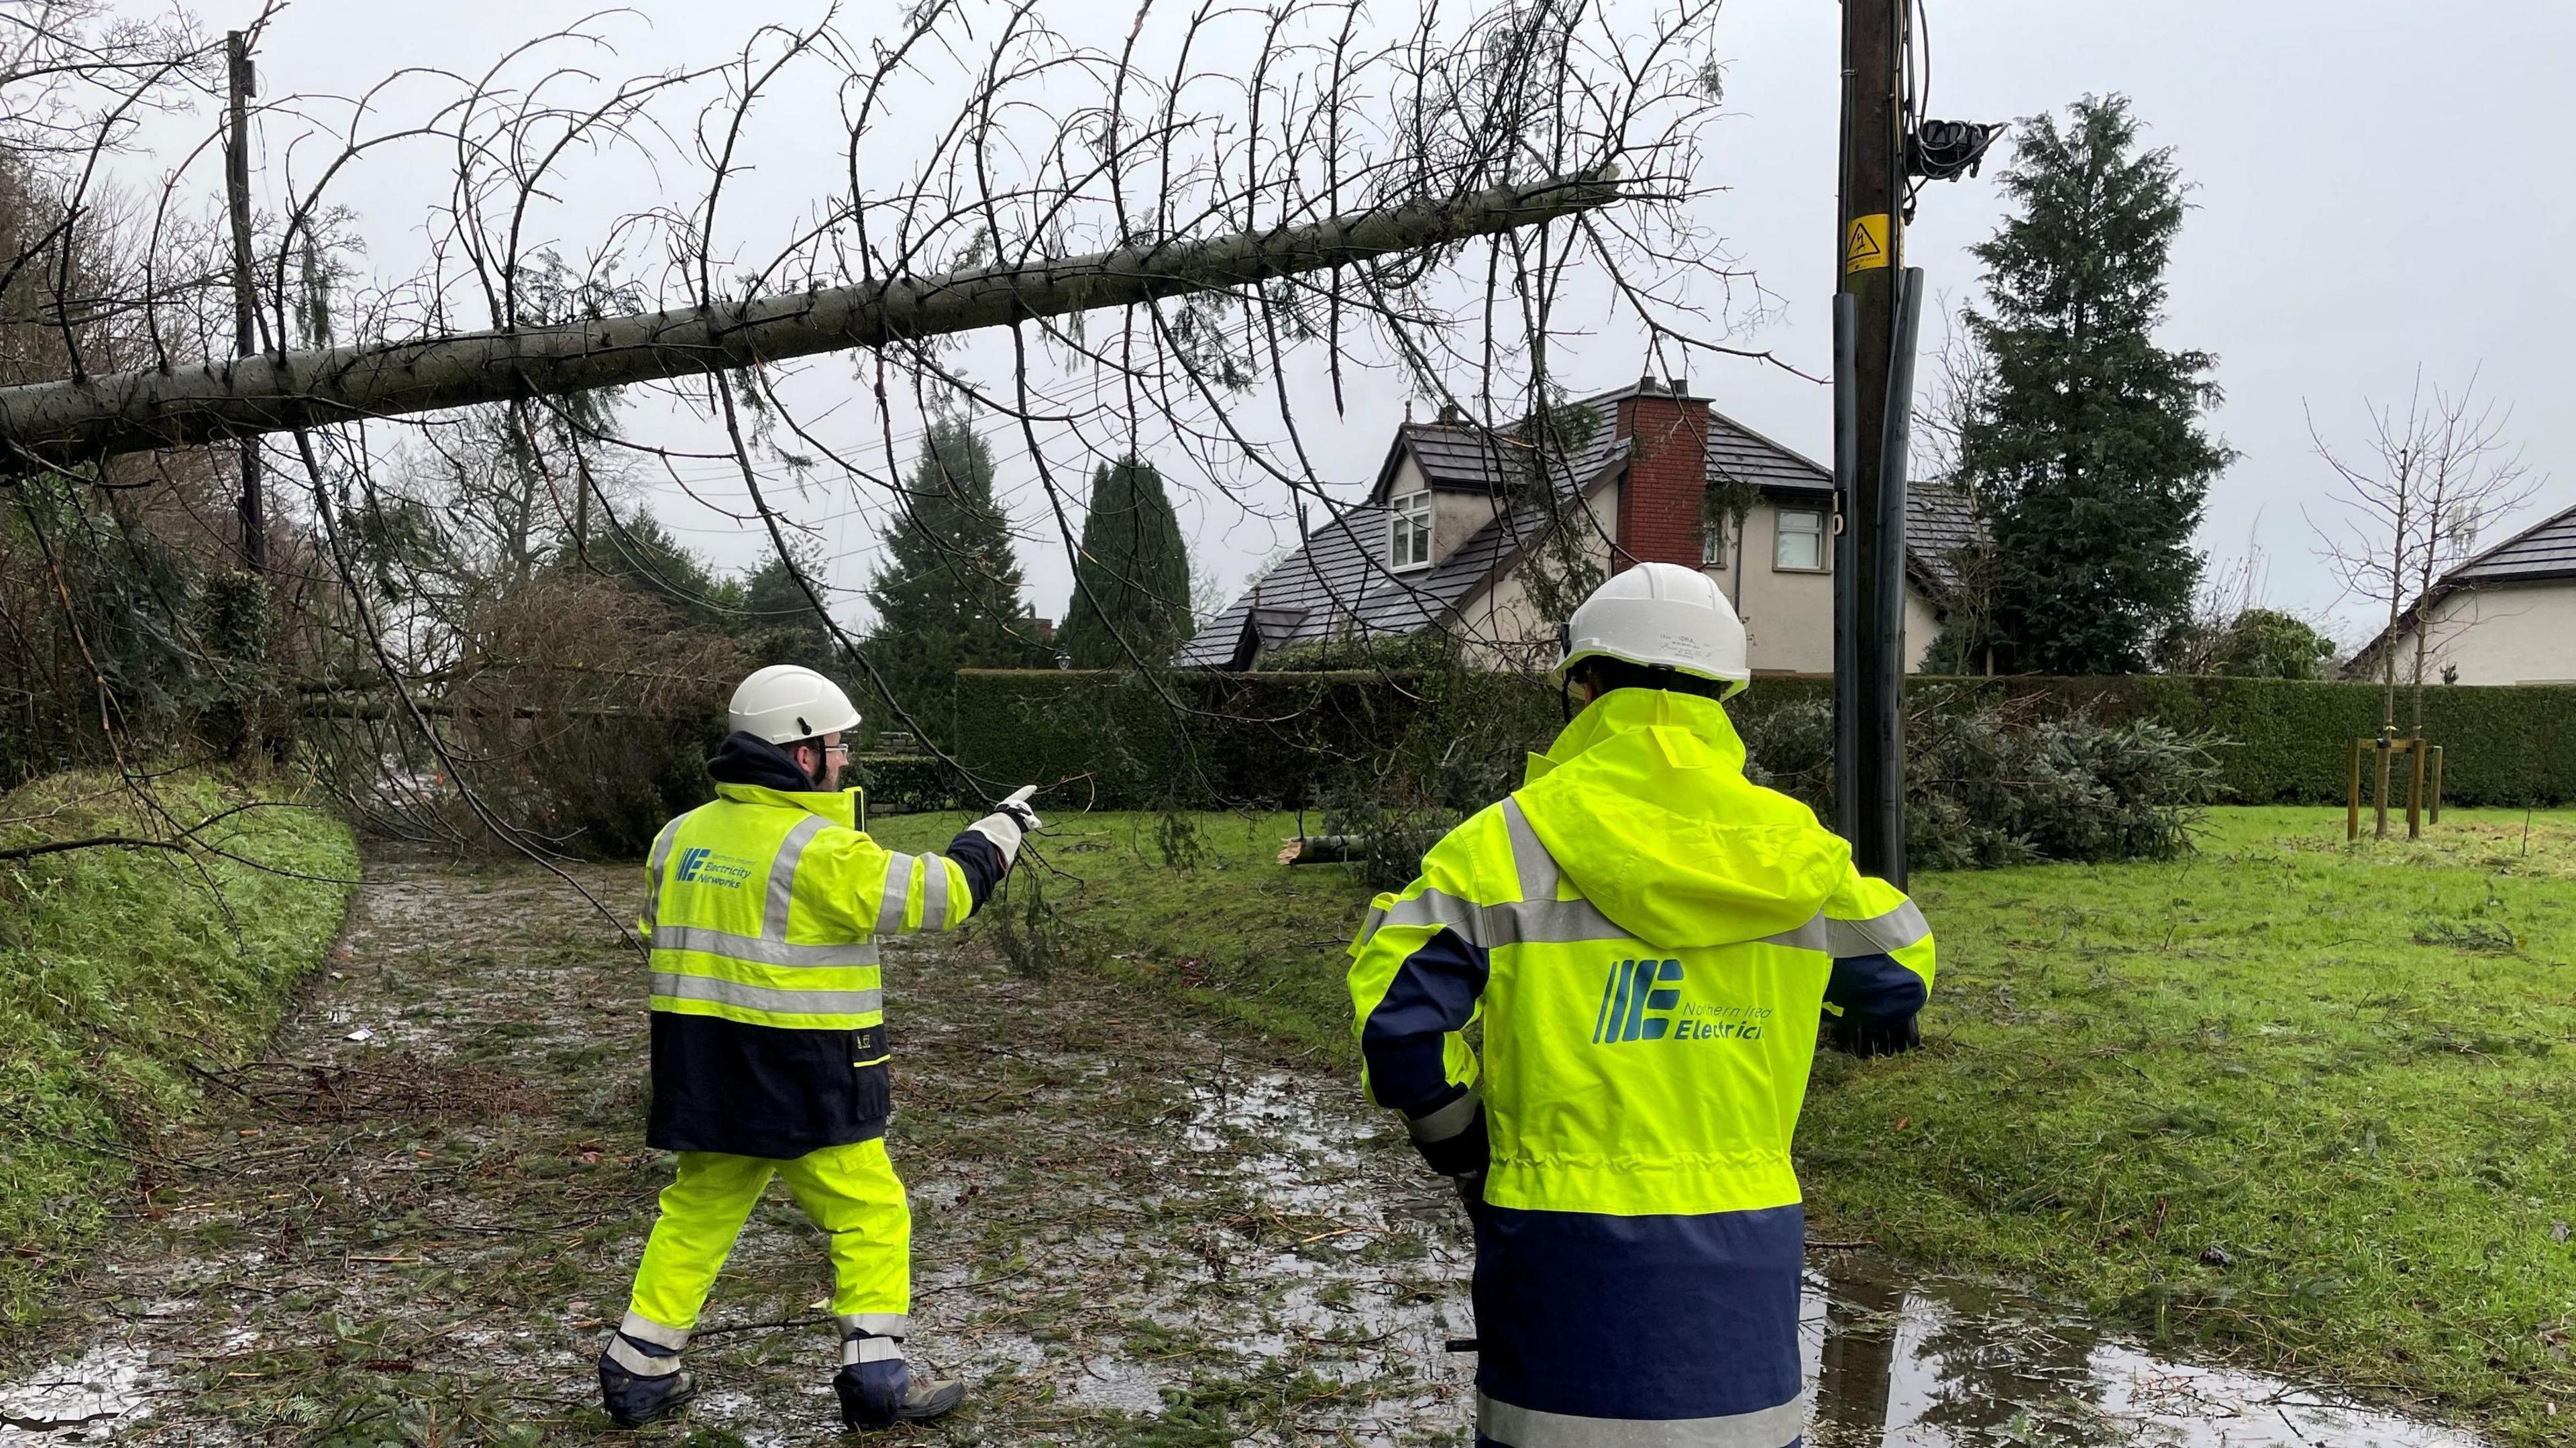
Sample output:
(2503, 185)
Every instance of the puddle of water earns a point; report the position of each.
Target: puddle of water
(1896, 1366)
(87, 1401)
(1108, 1380)
(1888, 1364)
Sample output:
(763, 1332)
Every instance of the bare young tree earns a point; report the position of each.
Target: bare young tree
(2425, 485)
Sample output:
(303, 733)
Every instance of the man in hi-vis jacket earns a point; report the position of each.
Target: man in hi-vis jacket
(1652, 943)
(763, 909)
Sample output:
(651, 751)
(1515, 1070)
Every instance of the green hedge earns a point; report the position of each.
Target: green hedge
(906, 784)
(1109, 740)
(2286, 741)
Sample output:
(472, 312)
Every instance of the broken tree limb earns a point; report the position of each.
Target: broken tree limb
(68, 422)
(95, 842)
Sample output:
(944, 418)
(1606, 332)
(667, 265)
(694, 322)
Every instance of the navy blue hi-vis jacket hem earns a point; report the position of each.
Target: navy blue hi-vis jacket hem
(1646, 1317)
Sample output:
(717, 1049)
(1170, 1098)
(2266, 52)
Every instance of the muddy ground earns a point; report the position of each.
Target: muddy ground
(415, 1220)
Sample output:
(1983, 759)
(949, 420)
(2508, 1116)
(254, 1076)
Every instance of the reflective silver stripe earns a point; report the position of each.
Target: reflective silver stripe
(1816, 934)
(639, 1362)
(782, 875)
(1519, 1427)
(1880, 934)
(898, 889)
(1530, 859)
(1446, 1122)
(878, 1324)
(1368, 927)
(767, 952)
(1518, 922)
(1549, 922)
(934, 893)
(762, 998)
(1438, 907)
(645, 1329)
(857, 1350)
(653, 866)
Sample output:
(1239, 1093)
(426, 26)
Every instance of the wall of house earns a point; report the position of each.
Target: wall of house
(2514, 634)
(1455, 517)
(1498, 625)
(1789, 614)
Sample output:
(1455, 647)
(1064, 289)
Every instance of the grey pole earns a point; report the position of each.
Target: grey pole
(1850, 614)
(1888, 587)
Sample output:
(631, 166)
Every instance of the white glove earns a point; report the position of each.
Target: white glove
(1016, 805)
(1007, 825)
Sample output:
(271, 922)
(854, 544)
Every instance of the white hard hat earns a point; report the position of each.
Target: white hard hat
(1664, 616)
(787, 702)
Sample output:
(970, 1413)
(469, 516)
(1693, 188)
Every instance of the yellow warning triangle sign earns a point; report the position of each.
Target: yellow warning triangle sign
(1866, 246)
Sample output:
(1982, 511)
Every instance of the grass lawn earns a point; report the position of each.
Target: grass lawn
(123, 974)
(2308, 1106)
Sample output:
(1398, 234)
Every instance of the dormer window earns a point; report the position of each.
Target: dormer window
(1408, 530)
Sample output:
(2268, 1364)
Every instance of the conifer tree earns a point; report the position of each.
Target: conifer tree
(948, 595)
(1131, 584)
(2087, 455)
(779, 622)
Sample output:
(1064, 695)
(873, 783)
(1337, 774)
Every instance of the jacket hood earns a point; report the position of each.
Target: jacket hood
(749, 759)
(750, 770)
(1644, 804)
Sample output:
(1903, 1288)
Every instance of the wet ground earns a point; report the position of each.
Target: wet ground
(415, 1221)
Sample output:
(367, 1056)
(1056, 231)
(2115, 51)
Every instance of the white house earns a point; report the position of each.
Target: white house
(1439, 545)
(2507, 616)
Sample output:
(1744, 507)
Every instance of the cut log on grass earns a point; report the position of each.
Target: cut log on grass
(1322, 849)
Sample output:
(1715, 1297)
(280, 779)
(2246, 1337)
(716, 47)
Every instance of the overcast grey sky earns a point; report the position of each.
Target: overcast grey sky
(2369, 195)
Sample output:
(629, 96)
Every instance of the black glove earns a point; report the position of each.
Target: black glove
(1462, 1155)
(1471, 1192)
(1867, 1036)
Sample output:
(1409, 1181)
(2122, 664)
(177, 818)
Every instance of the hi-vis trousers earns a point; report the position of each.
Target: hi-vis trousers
(851, 1192)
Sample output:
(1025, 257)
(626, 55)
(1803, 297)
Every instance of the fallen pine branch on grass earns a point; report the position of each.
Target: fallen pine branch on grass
(94, 842)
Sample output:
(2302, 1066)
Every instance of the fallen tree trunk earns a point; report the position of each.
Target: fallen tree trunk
(1323, 849)
(68, 422)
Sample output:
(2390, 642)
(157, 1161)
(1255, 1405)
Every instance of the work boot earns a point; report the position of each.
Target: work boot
(881, 1394)
(633, 1400)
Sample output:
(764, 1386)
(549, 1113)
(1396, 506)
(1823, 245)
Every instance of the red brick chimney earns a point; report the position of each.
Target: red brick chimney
(1659, 506)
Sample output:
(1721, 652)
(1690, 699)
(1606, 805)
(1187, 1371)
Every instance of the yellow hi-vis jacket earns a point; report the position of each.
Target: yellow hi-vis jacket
(1650, 941)
(763, 908)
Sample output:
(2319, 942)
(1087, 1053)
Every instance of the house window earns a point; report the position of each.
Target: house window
(1798, 546)
(1712, 542)
(1408, 534)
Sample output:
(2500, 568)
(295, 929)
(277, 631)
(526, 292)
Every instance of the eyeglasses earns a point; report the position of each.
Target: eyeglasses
(841, 749)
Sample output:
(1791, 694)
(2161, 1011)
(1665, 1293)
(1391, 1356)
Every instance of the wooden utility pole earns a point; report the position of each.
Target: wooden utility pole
(1874, 311)
(254, 515)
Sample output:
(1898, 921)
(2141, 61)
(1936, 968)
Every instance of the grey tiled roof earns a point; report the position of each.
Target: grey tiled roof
(2545, 551)
(1738, 453)
(1938, 524)
(2540, 553)
(1338, 584)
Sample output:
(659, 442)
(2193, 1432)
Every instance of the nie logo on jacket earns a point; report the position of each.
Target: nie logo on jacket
(1641, 1000)
(703, 866)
